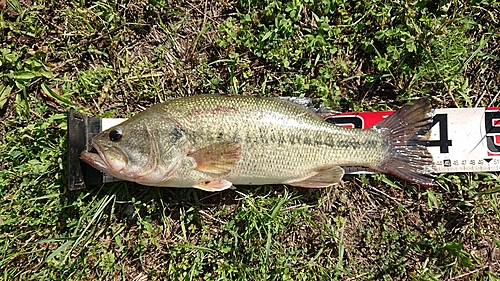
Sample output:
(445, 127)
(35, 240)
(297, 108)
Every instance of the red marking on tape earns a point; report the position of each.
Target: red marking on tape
(497, 140)
(348, 126)
(369, 118)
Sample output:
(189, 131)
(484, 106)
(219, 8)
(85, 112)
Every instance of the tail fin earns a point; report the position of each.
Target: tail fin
(405, 159)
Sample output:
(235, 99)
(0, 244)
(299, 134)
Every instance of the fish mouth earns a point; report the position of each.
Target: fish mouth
(96, 158)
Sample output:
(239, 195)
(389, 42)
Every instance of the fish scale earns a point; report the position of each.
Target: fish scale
(265, 127)
(211, 142)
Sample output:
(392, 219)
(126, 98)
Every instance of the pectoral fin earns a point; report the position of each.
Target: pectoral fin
(213, 185)
(323, 177)
(218, 158)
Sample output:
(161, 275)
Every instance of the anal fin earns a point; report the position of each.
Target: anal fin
(323, 177)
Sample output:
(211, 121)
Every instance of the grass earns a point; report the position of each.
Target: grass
(113, 59)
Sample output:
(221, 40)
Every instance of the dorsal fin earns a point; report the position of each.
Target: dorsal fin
(312, 105)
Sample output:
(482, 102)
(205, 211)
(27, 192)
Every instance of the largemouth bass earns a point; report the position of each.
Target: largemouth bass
(212, 142)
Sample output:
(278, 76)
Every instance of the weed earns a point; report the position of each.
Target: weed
(115, 58)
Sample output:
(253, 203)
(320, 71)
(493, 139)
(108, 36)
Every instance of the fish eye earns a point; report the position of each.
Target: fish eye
(115, 134)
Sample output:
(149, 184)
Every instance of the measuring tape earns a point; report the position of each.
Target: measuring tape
(461, 140)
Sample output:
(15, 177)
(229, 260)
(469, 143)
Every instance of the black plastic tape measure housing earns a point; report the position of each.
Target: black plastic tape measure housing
(81, 129)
